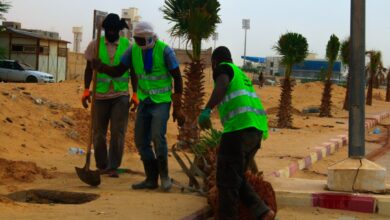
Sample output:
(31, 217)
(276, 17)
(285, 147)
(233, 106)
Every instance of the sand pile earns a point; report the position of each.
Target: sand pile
(21, 171)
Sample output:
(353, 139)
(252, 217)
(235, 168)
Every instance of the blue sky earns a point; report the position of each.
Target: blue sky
(314, 19)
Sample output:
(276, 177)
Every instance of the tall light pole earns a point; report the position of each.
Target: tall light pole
(245, 26)
(215, 38)
(356, 148)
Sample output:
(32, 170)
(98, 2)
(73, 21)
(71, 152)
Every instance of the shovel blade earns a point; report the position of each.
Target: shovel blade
(89, 177)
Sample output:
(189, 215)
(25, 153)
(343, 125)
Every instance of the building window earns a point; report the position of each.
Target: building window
(271, 72)
(24, 48)
(44, 50)
(62, 52)
(17, 48)
(272, 64)
(29, 49)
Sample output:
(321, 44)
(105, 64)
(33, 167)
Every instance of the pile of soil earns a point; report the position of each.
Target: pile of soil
(21, 171)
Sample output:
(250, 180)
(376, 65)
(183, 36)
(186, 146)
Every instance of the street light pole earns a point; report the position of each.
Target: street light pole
(245, 26)
(215, 38)
(356, 148)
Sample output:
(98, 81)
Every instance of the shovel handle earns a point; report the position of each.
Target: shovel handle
(94, 76)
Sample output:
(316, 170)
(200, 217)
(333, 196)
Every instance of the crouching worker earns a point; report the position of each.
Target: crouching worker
(245, 124)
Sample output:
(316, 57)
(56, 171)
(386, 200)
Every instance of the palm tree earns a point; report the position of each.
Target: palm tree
(375, 66)
(332, 51)
(388, 86)
(293, 48)
(344, 49)
(4, 7)
(193, 20)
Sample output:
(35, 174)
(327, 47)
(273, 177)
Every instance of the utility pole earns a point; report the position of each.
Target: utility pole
(215, 38)
(356, 148)
(245, 26)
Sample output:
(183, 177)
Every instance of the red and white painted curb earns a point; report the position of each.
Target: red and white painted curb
(327, 148)
(343, 201)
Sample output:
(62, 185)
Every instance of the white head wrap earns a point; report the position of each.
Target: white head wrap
(145, 29)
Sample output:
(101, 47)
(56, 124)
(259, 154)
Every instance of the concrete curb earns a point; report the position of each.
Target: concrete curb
(332, 200)
(327, 148)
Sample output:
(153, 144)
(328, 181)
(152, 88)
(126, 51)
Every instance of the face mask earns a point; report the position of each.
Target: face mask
(145, 42)
(112, 37)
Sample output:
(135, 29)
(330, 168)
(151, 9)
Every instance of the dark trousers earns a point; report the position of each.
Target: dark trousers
(151, 127)
(236, 149)
(114, 112)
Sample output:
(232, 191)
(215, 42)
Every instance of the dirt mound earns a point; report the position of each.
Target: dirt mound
(275, 110)
(21, 171)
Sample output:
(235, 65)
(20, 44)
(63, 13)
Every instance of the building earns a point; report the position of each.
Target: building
(42, 50)
(132, 18)
(77, 38)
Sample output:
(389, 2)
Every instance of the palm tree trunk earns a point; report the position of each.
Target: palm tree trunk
(285, 107)
(388, 87)
(192, 103)
(326, 102)
(346, 100)
(369, 90)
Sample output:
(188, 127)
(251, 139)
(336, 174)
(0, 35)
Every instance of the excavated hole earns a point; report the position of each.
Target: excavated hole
(52, 197)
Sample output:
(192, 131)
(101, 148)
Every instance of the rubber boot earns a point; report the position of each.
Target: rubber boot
(151, 172)
(166, 182)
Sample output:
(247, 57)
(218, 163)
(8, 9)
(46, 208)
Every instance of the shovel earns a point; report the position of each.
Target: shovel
(91, 177)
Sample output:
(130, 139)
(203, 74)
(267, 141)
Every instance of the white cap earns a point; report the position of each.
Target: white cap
(144, 29)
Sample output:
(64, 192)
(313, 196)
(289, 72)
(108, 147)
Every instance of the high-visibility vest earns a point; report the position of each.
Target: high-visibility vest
(241, 107)
(157, 85)
(103, 81)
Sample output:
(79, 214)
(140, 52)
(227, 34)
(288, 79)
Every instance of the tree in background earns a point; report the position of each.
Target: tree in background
(344, 51)
(193, 20)
(388, 86)
(293, 48)
(332, 51)
(4, 7)
(375, 66)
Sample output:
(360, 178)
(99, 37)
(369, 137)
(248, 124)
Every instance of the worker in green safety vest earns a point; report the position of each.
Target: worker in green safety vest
(112, 96)
(245, 124)
(155, 66)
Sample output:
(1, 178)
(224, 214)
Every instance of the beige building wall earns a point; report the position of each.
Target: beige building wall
(76, 66)
(183, 58)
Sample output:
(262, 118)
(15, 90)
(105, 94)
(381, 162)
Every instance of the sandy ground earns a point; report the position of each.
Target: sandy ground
(39, 122)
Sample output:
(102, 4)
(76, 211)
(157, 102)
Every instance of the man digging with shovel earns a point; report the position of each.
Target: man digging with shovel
(155, 66)
(112, 96)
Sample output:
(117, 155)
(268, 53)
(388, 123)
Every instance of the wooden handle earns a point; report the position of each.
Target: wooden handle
(94, 76)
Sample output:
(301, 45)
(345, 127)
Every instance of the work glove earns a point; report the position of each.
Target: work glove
(86, 98)
(134, 102)
(204, 119)
(177, 113)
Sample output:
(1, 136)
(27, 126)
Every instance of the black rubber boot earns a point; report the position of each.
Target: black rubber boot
(151, 172)
(166, 182)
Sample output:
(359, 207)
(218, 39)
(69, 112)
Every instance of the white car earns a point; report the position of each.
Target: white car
(14, 71)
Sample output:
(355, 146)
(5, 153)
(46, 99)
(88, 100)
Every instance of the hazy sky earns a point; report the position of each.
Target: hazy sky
(314, 19)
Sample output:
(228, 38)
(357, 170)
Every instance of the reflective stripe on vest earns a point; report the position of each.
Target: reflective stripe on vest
(241, 110)
(153, 78)
(156, 91)
(117, 79)
(237, 94)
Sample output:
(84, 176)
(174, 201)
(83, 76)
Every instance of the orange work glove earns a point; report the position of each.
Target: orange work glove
(86, 98)
(134, 102)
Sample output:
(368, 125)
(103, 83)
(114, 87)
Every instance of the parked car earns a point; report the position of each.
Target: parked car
(15, 71)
